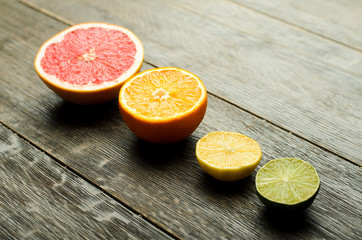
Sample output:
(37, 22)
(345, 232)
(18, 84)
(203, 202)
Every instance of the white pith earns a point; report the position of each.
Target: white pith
(90, 56)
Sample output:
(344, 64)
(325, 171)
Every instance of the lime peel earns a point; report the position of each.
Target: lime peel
(287, 184)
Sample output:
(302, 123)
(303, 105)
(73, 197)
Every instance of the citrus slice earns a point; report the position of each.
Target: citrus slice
(163, 105)
(228, 156)
(287, 184)
(88, 63)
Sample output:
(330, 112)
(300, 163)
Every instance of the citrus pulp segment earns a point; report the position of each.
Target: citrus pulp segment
(287, 184)
(228, 156)
(163, 105)
(88, 62)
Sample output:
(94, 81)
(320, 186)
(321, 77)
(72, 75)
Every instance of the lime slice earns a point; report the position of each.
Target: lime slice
(287, 184)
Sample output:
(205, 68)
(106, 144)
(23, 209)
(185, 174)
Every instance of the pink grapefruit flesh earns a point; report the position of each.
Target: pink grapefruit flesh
(89, 62)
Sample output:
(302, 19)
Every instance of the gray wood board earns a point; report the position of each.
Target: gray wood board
(272, 31)
(42, 200)
(277, 72)
(164, 183)
(338, 20)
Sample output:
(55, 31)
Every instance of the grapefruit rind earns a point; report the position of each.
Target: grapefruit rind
(90, 93)
(225, 173)
(299, 205)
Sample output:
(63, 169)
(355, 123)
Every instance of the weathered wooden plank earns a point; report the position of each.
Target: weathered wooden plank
(275, 71)
(338, 20)
(164, 183)
(146, 18)
(275, 32)
(42, 200)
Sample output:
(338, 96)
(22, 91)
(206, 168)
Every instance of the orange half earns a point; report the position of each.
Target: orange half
(163, 105)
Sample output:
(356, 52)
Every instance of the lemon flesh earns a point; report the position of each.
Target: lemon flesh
(228, 156)
(287, 183)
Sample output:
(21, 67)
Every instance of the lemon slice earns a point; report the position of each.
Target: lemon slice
(228, 156)
(287, 184)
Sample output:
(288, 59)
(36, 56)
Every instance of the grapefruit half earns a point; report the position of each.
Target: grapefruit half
(89, 62)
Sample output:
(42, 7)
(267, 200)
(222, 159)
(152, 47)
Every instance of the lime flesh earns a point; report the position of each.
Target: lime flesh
(287, 184)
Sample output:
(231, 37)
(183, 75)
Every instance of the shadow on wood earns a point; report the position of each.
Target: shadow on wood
(67, 113)
(160, 156)
(289, 222)
(214, 186)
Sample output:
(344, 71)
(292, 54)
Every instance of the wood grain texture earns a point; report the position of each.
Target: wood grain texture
(272, 31)
(338, 20)
(275, 71)
(42, 200)
(164, 183)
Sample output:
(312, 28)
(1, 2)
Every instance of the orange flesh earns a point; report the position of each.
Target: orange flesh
(228, 150)
(162, 94)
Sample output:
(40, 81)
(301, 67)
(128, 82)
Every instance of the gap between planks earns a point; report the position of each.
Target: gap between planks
(286, 130)
(65, 21)
(80, 175)
(58, 18)
(69, 23)
(189, 9)
(294, 25)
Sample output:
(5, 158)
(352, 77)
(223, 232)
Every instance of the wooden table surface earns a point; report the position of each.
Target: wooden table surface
(286, 73)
